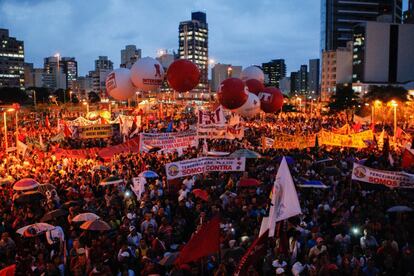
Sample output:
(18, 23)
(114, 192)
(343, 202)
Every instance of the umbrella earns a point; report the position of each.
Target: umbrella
(169, 259)
(331, 171)
(54, 214)
(217, 153)
(313, 184)
(154, 149)
(36, 229)
(245, 153)
(6, 181)
(71, 203)
(28, 197)
(249, 182)
(86, 217)
(112, 180)
(289, 160)
(8, 271)
(149, 174)
(400, 209)
(95, 225)
(201, 194)
(25, 184)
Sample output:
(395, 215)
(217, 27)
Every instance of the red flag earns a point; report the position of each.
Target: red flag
(357, 127)
(407, 159)
(255, 252)
(47, 123)
(66, 130)
(8, 271)
(201, 194)
(205, 242)
(398, 132)
(104, 121)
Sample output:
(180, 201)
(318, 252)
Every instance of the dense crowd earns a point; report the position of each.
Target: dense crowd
(344, 230)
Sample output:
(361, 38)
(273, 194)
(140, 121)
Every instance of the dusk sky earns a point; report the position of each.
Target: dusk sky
(241, 32)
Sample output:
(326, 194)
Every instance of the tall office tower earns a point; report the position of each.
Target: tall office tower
(303, 79)
(70, 68)
(220, 72)
(129, 55)
(103, 66)
(33, 77)
(275, 70)
(103, 63)
(313, 77)
(193, 45)
(339, 16)
(11, 61)
(294, 83)
(409, 13)
(54, 76)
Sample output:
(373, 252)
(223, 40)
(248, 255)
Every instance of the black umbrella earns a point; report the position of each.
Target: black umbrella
(331, 171)
(29, 197)
(154, 149)
(71, 203)
(54, 214)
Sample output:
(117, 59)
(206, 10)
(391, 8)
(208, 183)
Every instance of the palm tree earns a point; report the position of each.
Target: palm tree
(386, 93)
(344, 99)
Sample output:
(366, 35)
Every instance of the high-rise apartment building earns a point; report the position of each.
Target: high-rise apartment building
(54, 76)
(103, 66)
(70, 68)
(220, 72)
(193, 45)
(11, 61)
(339, 16)
(33, 77)
(275, 70)
(294, 83)
(129, 56)
(303, 79)
(313, 76)
(285, 85)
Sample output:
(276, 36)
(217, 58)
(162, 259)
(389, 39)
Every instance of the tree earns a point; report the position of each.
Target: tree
(42, 94)
(63, 95)
(94, 97)
(386, 93)
(344, 99)
(10, 95)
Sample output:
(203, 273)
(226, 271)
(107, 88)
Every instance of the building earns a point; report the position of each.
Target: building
(11, 61)
(103, 66)
(83, 85)
(303, 79)
(129, 56)
(165, 58)
(339, 16)
(70, 69)
(313, 76)
(383, 53)
(220, 72)
(54, 76)
(275, 70)
(409, 13)
(284, 85)
(193, 45)
(336, 69)
(294, 83)
(33, 77)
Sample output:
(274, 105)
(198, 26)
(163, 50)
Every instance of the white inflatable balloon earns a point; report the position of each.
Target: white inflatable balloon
(147, 74)
(252, 72)
(250, 108)
(118, 84)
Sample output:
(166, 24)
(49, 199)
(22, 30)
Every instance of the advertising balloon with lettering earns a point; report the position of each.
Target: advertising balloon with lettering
(183, 75)
(250, 108)
(232, 93)
(118, 84)
(254, 86)
(147, 74)
(252, 72)
(271, 99)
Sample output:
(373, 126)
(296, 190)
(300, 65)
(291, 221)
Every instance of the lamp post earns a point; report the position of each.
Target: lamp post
(6, 143)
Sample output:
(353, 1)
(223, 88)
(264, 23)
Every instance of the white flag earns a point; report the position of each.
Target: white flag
(138, 186)
(285, 202)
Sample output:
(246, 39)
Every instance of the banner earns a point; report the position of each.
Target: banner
(267, 143)
(285, 141)
(95, 131)
(170, 140)
(204, 164)
(213, 125)
(356, 140)
(391, 179)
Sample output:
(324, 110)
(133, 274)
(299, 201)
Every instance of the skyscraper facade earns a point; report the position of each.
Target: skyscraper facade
(70, 69)
(220, 72)
(339, 16)
(303, 79)
(54, 76)
(11, 61)
(129, 56)
(103, 66)
(409, 13)
(193, 45)
(313, 77)
(275, 70)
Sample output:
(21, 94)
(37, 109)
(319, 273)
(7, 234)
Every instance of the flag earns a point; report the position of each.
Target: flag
(285, 202)
(170, 127)
(390, 159)
(21, 148)
(407, 158)
(41, 141)
(66, 130)
(380, 142)
(357, 127)
(47, 123)
(138, 186)
(205, 147)
(253, 254)
(134, 127)
(103, 121)
(398, 132)
(204, 242)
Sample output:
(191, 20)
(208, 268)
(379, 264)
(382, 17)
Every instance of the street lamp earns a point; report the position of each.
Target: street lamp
(394, 105)
(6, 143)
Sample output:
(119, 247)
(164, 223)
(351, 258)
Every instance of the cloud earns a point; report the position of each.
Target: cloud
(241, 32)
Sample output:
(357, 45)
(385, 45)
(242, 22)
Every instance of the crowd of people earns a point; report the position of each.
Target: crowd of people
(343, 230)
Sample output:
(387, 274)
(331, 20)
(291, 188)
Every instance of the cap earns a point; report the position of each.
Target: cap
(280, 271)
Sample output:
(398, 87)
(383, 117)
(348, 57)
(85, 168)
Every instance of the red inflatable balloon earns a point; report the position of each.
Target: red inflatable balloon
(254, 86)
(271, 99)
(232, 93)
(183, 75)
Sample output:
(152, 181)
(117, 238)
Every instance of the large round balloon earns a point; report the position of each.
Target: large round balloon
(183, 75)
(271, 99)
(232, 93)
(252, 72)
(118, 84)
(147, 74)
(250, 108)
(254, 86)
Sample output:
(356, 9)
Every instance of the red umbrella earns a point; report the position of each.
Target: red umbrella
(8, 271)
(249, 182)
(25, 184)
(201, 194)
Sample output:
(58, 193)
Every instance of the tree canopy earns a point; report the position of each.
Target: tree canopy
(386, 93)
